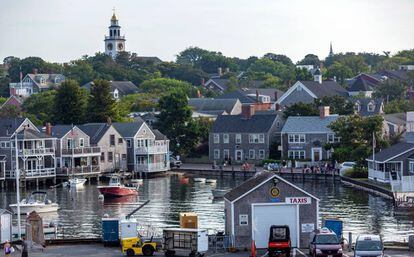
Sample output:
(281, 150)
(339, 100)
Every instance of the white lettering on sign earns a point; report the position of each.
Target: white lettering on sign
(298, 200)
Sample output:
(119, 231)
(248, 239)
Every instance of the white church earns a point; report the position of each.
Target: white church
(114, 43)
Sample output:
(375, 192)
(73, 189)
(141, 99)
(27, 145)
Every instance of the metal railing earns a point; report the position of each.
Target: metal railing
(81, 151)
(37, 173)
(88, 169)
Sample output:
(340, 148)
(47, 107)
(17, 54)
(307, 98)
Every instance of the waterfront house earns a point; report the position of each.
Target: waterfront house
(394, 124)
(118, 89)
(304, 137)
(35, 150)
(75, 156)
(265, 200)
(246, 137)
(112, 145)
(34, 83)
(308, 91)
(147, 149)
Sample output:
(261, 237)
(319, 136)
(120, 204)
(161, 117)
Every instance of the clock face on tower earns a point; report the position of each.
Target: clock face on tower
(120, 46)
(109, 46)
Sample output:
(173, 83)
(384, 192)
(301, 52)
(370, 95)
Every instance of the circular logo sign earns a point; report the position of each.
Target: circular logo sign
(274, 192)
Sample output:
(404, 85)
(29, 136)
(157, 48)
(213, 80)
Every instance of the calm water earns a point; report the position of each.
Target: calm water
(81, 211)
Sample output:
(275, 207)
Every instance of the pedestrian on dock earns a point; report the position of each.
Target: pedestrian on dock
(7, 248)
(25, 248)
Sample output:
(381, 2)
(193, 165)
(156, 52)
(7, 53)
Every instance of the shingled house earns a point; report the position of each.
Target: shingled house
(215, 107)
(36, 82)
(118, 88)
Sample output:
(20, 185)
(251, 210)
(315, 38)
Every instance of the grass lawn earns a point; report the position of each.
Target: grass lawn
(366, 180)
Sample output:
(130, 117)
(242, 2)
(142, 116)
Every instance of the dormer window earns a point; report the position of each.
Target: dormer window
(357, 107)
(299, 88)
(370, 107)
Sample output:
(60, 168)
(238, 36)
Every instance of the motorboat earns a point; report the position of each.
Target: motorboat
(138, 181)
(211, 181)
(219, 193)
(77, 182)
(115, 188)
(37, 202)
(200, 180)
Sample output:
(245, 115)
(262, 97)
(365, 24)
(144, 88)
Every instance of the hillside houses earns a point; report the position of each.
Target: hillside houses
(35, 82)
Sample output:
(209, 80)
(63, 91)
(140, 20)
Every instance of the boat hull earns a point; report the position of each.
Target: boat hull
(26, 209)
(217, 193)
(117, 191)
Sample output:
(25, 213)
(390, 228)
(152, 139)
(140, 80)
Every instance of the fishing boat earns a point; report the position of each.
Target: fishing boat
(38, 202)
(200, 180)
(76, 182)
(219, 193)
(116, 189)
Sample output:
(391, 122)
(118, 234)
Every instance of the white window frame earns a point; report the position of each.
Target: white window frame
(261, 138)
(252, 154)
(297, 154)
(4, 144)
(226, 138)
(262, 153)
(332, 138)
(238, 138)
(296, 138)
(226, 153)
(216, 154)
(216, 139)
(129, 143)
(370, 107)
(69, 143)
(81, 142)
(411, 166)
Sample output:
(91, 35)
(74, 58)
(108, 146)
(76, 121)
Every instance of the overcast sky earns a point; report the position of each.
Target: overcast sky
(61, 31)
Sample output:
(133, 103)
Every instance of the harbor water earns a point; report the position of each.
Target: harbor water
(81, 211)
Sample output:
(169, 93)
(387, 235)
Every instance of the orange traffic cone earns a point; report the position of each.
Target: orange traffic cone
(253, 249)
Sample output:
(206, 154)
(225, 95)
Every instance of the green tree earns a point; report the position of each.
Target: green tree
(70, 103)
(80, 70)
(310, 59)
(397, 106)
(4, 87)
(390, 90)
(301, 109)
(162, 86)
(101, 105)
(338, 104)
(340, 72)
(279, 58)
(41, 105)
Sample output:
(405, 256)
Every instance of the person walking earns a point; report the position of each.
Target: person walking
(25, 248)
(7, 248)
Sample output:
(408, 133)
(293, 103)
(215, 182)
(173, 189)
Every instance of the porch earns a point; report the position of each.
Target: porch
(383, 172)
(81, 151)
(152, 163)
(78, 171)
(403, 184)
(85, 165)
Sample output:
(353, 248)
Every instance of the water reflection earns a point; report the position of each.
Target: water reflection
(81, 211)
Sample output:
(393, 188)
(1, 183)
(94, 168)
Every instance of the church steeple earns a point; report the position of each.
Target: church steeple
(114, 43)
(331, 53)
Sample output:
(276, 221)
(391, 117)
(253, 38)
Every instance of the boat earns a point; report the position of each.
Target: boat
(116, 189)
(219, 193)
(200, 180)
(76, 182)
(138, 181)
(38, 202)
(211, 181)
(50, 229)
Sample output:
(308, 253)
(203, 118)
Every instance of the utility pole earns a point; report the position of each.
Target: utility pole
(17, 174)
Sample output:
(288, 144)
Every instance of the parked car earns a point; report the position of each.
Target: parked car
(324, 243)
(369, 245)
(279, 241)
(174, 163)
(345, 166)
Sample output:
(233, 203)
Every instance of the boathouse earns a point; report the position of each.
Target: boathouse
(265, 200)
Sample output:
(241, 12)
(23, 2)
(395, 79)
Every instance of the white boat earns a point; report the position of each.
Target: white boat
(219, 193)
(77, 182)
(200, 180)
(138, 181)
(211, 181)
(38, 202)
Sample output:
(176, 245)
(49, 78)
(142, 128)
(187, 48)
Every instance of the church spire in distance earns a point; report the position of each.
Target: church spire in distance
(330, 51)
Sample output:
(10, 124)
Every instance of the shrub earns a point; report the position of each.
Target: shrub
(357, 172)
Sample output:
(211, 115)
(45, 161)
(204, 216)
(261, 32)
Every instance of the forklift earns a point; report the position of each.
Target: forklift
(132, 246)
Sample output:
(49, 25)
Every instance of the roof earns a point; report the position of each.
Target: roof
(148, 59)
(240, 124)
(360, 84)
(211, 104)
(14, 101)
(326, 88)
(255, 182)
(60, 131)
(363, 102)
(124, 87)
(159, 135)
(31, 134)
(95, 131)
(395, 74)
(396, 118)
(129, 129)
(317, 72)
(9, 125)
(242, 94)
(48, 79)
(238, 94)
(308, 124)
(220, 83)
(393, 151)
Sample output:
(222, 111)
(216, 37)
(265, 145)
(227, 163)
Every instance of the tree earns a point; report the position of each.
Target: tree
(279, 58)
(302, 74)
(338, 104)
(390, 90)
(398, 106)
(340, 72)
(301, 109)
(70, 103)
(176, 123)
(102, 105)
(80, 70)
(310, 59)
(4, 87)
(232, 84)
(41, 105)
(162, 86)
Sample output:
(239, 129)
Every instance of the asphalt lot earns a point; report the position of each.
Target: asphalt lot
(98, 250)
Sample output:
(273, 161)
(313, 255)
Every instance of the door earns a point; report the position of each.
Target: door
(316, 154)
(5, 227)
(264, 216)
(239, 155)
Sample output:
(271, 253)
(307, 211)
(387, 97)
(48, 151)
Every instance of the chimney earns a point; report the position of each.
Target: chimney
(48, 129)
(257, 96)
(108, 121)
(276, 96)
(323, 112)
(317, 76)
(220, 71)
(277, 107)
(35, 70)
(203, 82)
(227, 70)
(247, 111)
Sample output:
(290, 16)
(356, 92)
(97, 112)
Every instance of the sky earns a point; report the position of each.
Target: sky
(60, 31)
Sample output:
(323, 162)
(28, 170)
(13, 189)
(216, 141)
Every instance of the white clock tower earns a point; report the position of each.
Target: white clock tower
(114, 43)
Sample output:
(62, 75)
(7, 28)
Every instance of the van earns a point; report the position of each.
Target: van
(368, 245)
(324, 243)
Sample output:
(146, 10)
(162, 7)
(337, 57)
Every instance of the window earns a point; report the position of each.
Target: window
(261, 138)
(216, 138)
(111, 140)
(251, 154)
(256, 138)
(124, 157)
(4, 144)
(296, 138)
(333, 139)
(116, 95)
(261, 154)
(110, 156)
(411, 166)
(226, 138)
(296, 154)
(70, 143)
(238, 139)
(120, 140)
(243, 219)
(216, 154)
(371, 107)
(81, 142)
(357, 107)
(129, 143)
(102, 157)
(226, 153)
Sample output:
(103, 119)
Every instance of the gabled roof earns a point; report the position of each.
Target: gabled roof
(393, 152)
(95, 131)
(219, 83)
(159, 135)
(148, 59)
(124, 87)
(308, 124)
(60, 131)
(242, 94)
(129, 129)
(238, 94)
(361, 85)
(239, 124)
(211, 104)
(363, 104)
(31, 134)
(9, 125)
(257, 181)
(326, 88)
(396, 118)
(14, 101)
(395, 74)
(48, 79)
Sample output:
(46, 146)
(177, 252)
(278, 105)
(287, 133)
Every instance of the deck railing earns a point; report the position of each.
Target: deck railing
(81, 151)
(85, 170)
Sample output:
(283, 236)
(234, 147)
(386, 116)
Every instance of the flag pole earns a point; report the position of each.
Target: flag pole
(17, 174)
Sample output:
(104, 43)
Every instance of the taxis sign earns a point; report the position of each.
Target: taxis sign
(298, 200)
